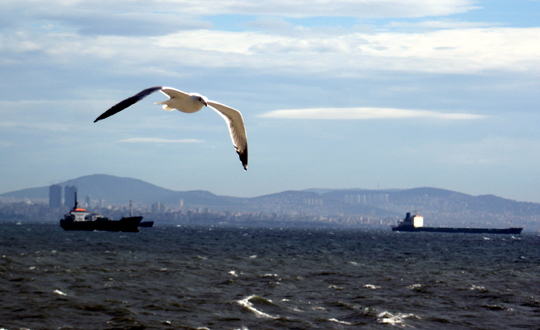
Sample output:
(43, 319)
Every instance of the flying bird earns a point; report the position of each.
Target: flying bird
(189, 103)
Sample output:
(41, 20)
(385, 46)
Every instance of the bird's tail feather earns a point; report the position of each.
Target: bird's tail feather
(166, 105)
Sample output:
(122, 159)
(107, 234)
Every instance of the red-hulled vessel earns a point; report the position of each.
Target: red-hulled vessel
(79, 219)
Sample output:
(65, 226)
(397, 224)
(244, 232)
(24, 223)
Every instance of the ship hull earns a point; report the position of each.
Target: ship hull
(512, 230)
(129, 224)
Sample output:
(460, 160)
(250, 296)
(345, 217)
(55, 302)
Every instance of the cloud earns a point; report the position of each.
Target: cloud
(306, 8)
(365, 113)
(308, 51)
(138, 24)
(136, 37)
(65, 12)
(157, 140)
(34, 126)
(441, 24)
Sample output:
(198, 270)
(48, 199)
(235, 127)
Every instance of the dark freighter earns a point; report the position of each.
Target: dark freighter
(79, 219)
(415, 223)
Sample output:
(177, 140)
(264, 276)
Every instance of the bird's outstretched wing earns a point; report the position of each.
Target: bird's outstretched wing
(128, 102)
(237, 129)
(174, 93)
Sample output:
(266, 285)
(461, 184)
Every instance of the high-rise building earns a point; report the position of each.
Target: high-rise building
(69, 196)
(156, 207)
(55, 196)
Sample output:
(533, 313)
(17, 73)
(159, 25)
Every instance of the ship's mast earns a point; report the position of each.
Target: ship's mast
(75, 206)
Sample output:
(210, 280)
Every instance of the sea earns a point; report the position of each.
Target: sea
(189, 277)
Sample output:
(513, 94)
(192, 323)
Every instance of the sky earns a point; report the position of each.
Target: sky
(340, 94)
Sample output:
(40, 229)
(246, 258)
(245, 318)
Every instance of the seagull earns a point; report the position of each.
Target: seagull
(189, 103)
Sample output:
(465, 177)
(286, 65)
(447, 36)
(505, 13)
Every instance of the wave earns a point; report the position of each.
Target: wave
(250, 302)
(388, 318)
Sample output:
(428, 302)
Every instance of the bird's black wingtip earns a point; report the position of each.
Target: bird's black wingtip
(101, 117)
(127, 102)
(243, 158)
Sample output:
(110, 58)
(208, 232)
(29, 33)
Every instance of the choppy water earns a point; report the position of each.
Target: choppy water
(232, 278)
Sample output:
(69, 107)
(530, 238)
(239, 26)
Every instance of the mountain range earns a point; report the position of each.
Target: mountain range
(119, 190)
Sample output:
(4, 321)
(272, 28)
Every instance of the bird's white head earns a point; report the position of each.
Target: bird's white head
(199, 98)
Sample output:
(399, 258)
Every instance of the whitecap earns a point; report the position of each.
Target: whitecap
(388, 318)
(340, 322)
(477, 287)
(243, 328)
(58, 292)
(415, 286)
(233, 273)
(371, 286)
(253, 256)
(249, 306)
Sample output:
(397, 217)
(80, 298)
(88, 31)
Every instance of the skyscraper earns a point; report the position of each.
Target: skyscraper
(69, 196)
(55, 196)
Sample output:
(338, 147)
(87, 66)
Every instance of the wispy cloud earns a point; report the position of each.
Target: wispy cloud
(304, 8)
(442, 24)
(366, 113)
(44, 126)
(64, 11)
(157, 140)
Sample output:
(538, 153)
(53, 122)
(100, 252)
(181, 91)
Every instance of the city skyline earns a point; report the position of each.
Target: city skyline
(334, 95)
(356, 208)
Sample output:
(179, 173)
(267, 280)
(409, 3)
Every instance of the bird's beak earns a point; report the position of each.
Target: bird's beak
(205, 103)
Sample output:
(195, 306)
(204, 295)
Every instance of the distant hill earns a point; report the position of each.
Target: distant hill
(120, 190)
(113, 189)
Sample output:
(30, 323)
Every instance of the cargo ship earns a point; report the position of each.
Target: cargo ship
(415, 223)
(79, 219)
